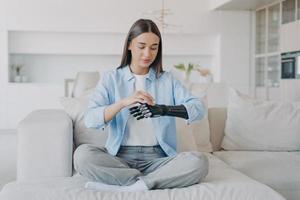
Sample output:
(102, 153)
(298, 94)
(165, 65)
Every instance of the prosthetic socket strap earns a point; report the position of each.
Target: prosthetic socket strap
(144, 111)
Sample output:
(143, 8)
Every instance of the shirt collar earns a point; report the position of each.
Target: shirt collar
(128, 74)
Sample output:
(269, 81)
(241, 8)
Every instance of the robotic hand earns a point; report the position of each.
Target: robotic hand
(145, 110)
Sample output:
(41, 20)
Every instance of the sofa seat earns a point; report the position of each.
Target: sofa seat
(222, 183)
(279, 170)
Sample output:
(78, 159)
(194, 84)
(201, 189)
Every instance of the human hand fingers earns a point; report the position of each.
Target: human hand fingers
(146, 96)
(146, 99)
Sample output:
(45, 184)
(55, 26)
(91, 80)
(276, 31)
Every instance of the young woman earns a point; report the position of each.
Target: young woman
(139, 102)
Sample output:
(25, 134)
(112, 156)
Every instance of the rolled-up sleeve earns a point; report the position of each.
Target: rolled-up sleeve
(193, 104)
(94, 115)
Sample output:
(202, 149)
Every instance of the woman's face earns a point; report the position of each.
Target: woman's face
(144, 49)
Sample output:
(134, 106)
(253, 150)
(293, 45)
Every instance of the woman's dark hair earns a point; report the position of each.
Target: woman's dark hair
(139, 27)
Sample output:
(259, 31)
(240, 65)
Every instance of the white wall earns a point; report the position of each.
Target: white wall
(8, 157)
(224, 36)
(3, 64)
(235, 46)
(216, 3)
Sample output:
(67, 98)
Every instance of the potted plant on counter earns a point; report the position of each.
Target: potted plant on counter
(17, 72)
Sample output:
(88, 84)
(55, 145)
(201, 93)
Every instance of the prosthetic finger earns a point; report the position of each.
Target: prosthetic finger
(137, 114)
(147, 114)
(141, 111)
(134, 109)
(140, 117)
(144, 114)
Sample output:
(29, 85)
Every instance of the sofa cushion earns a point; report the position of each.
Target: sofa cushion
(84, 82)
(279, 170)
(75, 108)
(217, 120)
(261, 125)
(198, 131)
(221, 183)
(44, 145)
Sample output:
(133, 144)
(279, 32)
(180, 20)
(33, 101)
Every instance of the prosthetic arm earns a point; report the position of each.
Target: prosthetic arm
(145, 110)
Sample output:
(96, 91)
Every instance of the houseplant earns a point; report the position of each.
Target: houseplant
(205, 74)
(186, 69)
(17, 72)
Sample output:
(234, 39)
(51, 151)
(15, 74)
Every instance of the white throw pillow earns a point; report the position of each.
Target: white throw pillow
(75, 108)
(195, 136)
(84, 82)
(261, 125)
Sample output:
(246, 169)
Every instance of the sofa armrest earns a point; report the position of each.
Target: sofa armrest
(45, 145)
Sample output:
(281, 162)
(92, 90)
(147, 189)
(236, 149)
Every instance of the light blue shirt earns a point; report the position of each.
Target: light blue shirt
(119, 84)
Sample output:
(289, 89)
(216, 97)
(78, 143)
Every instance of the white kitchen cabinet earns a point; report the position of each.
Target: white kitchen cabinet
(290, 37)
(260, 72)
(273, 28)
(298, 9)
(267, 52)
(260, 31)
(288, 11)
(290, 29)
(273, 71)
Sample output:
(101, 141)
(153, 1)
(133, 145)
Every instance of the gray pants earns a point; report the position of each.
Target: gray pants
(150, 164)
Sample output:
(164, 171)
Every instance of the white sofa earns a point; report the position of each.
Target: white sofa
(47, 139)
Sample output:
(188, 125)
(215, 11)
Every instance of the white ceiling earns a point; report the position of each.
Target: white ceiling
(244, 4)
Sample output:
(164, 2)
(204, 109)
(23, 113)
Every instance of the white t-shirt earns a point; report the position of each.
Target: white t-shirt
(139, 132)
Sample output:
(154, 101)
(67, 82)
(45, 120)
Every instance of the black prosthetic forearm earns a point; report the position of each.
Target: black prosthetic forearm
(145, 111)
(177, 111)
